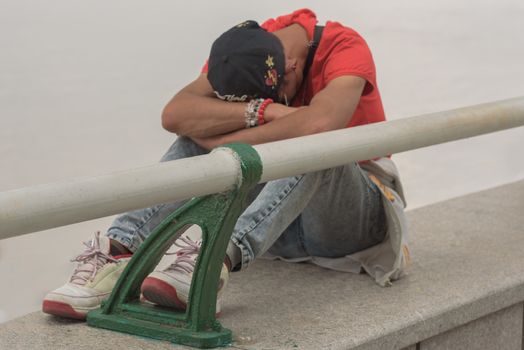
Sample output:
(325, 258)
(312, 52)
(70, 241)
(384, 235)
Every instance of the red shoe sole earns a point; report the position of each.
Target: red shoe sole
(62, 309)
(161, 293)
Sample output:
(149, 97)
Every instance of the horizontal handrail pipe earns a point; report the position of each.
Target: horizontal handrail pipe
(41, 207)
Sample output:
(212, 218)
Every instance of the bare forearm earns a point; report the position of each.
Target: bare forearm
(195, 111)
(300, 123)
(297, 124)
(197, 116)
(330, 109)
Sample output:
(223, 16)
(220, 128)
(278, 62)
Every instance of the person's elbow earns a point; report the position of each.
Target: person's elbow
(169, 119)
(326, 120)
(175, 115)
(323, 125)
(173, 118)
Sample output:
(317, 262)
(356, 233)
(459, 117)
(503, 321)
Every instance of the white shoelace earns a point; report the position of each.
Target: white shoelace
(90, 261)
(186, 260)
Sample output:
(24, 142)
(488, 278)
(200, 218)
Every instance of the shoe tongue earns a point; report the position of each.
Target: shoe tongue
(105, 245)
(86, 269)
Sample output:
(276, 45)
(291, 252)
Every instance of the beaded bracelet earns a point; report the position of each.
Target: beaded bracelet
(254, 112)
(251, 112)
(262, 110)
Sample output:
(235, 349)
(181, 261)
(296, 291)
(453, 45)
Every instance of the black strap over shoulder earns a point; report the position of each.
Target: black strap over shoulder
(313, 48)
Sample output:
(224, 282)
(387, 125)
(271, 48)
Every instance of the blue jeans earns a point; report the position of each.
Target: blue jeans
(328, 213)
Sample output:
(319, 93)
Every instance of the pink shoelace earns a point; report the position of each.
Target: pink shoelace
(186, 260)
(90, 261)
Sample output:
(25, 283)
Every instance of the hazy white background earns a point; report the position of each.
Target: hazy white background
(82, 84)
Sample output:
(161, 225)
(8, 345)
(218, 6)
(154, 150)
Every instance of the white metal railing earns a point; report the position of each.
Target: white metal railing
(41, 207)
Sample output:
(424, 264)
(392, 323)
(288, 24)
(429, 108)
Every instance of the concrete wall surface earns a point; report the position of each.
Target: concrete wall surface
(501, 330)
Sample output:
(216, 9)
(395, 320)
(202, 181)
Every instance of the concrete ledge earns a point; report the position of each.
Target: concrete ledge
(500, 330)
(468, 265)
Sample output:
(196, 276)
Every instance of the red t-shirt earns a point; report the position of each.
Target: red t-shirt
(341, 51)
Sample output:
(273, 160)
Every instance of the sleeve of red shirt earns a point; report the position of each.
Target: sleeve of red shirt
(350, 55)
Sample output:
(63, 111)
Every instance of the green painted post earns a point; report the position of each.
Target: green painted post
(216, 215)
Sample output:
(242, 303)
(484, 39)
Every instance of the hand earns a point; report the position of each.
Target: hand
(277, 110)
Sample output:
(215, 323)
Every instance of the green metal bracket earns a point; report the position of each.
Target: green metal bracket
(216, 215)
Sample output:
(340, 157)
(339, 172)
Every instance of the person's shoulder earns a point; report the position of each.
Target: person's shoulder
(337, 32)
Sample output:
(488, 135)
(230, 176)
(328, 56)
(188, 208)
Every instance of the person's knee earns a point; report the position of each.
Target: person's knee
(341, 174)
(183, 147)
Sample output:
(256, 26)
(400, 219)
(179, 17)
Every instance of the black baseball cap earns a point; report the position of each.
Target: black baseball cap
(246, 62)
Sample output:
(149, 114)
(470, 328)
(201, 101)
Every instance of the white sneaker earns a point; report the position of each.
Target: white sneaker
(170, 287)
(92, 281)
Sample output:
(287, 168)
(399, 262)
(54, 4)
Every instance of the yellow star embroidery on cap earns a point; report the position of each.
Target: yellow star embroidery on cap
(243, 24)
(269, 61)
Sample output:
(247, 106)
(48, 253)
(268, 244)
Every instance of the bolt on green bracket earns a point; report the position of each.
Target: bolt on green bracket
(216, 215)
